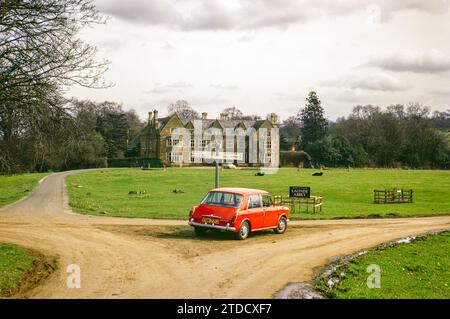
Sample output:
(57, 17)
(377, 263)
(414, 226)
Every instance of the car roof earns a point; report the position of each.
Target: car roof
(238, 190)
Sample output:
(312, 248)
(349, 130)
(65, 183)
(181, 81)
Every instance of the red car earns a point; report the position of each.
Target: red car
(238, 210)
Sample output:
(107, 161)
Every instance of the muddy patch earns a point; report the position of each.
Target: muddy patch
(299, 291)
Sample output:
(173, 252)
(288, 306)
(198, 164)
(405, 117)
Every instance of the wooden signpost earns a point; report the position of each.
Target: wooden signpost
(300, 196)
(218, 156)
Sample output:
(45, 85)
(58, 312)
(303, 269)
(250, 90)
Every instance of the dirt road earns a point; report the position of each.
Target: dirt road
(141, 258)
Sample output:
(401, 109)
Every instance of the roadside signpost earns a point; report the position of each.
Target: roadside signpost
(299, 191)
(218, 156)
(300, 195)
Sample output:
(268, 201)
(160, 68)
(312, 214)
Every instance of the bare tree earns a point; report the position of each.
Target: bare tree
(233, 113)
(40, 53)
(39, 45)
(416, 110)
(183, 109)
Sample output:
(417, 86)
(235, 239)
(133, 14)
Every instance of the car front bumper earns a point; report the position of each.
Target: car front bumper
(226, 228)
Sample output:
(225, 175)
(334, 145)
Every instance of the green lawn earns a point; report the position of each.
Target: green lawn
(420, 270)
(346, 193)
(14, 187)
(14, 263)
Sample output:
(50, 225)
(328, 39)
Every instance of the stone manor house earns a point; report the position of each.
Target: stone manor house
(155, 140)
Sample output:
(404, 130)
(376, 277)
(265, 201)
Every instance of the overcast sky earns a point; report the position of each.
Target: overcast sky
(266, 55)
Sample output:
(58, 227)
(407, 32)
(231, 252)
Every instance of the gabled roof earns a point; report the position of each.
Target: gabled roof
(207, 123)
(259, 123)
(164, 120)
(235, 123)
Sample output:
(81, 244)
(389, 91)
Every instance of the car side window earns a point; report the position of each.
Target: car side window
(266, 200)
(254, 201)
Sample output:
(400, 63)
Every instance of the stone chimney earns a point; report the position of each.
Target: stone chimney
(204, 116)
(274, 118)
(150, 118)
(223, 116)
(155, 118)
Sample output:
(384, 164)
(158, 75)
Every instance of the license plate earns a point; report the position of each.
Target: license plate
(210, 220)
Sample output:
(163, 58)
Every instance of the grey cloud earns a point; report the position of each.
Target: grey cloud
(254, 14)
(199, 102)
(422, 62)
(141, 11)
(378, 83)
(175, 87)
(371, 82)
(433, 6)
(209, 15)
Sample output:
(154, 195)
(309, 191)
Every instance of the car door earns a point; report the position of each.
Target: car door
(255, 211)
(270, 212)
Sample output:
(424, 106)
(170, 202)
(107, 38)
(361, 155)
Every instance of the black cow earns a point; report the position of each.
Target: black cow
(318, 174)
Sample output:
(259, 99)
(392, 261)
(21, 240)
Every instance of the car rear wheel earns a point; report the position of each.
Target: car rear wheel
(244, 231)
(282, 225)
(199, 231)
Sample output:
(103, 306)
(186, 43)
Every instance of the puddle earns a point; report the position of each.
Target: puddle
(406, 240)
(298, 291)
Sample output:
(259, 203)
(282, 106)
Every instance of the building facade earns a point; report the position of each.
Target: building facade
(157, 139)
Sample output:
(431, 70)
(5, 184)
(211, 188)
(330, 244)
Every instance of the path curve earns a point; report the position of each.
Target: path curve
(119, 259)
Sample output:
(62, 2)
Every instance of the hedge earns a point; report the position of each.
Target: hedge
(134, 162)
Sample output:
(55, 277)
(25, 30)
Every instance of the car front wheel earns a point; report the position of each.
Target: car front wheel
(282, 225)
(244, 231)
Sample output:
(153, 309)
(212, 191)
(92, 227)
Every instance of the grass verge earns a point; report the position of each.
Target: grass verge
(14, 187)
(21, 269)
(418, 270)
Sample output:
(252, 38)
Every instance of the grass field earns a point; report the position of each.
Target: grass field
(14, 187)
(419, 270)
(14, 263)
(347, 194)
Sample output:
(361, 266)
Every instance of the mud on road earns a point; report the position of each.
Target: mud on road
(143, 258)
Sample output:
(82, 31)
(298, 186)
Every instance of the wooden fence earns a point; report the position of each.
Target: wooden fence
(391, 196)
(314, 202)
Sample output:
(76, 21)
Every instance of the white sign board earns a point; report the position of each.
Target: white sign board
(219, 155)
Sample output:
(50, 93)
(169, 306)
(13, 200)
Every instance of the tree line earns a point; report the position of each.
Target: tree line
(82, 134)
(396, 136)
(40, 56)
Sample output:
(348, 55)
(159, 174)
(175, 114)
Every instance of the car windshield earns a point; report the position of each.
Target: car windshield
(222, 199)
